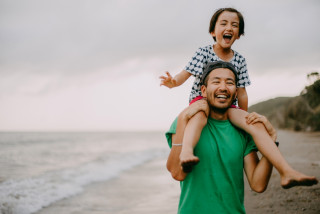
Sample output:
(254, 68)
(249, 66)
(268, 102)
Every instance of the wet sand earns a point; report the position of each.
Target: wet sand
(302, 151)
(150, 189)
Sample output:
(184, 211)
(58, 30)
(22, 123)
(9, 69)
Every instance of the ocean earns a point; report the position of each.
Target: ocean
(39, 169)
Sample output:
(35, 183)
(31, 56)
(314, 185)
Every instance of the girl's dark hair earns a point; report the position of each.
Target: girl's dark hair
(216, 15)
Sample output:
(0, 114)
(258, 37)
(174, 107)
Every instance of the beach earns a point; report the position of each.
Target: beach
(144, 189)
(147, 187)
(150, 189)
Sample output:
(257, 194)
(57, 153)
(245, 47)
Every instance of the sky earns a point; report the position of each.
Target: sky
(81, 65)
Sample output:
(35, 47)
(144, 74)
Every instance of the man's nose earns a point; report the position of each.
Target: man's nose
(223, 86)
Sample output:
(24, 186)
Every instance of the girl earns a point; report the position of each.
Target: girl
(226, 26)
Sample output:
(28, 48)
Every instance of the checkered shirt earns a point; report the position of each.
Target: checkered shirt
(205, 55)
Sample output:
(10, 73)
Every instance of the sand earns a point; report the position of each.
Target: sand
(149, 188)
(302, 151)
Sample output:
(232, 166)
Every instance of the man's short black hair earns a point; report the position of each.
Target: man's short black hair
(218, 64)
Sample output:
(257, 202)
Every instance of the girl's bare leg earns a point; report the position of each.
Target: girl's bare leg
(190, 139)
(289, 176)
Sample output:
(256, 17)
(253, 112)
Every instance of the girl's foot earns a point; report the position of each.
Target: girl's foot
(188, 161)
(297, 179)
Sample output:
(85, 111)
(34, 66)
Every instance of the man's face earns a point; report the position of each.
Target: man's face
(221, 89)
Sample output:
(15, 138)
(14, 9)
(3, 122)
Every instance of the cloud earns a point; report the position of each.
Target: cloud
(65, 63)
(78, 36)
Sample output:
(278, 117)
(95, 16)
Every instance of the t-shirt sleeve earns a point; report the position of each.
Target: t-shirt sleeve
(250, 145)
(171, 131)
(196, 64)
(243, 75)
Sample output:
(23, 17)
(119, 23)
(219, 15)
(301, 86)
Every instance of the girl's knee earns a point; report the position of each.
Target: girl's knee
(200, 119)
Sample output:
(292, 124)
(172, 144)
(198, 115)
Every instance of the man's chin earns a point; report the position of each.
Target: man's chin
(220, 109)
(220, 106)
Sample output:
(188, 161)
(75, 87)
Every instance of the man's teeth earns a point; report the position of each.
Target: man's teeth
(222, 96)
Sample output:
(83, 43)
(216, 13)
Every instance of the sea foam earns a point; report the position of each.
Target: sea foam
(30, 195)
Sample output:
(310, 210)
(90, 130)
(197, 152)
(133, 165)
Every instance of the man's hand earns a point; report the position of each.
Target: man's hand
(200, 105)
(254, 117)
(168, 81)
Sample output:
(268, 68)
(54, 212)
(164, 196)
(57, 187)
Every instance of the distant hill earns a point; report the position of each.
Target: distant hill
(297, 113)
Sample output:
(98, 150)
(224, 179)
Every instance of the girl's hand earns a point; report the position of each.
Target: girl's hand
(254, 117)
(168, 81)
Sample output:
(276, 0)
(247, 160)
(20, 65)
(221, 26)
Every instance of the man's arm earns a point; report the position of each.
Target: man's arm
(173, 162)
(258, 172)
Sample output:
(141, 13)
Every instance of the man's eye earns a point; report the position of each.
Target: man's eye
(230, 83)
(235, 25)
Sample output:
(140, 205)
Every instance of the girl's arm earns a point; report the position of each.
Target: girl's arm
(177, 80)
(243, 98)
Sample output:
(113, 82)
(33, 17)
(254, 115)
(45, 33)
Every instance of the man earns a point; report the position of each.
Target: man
(216, 184)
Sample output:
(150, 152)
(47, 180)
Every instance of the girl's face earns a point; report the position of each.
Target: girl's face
(226, 30)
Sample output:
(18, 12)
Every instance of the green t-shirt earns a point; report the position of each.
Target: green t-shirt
(216, 184)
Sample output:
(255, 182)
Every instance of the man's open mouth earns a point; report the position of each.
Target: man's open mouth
(220, 96)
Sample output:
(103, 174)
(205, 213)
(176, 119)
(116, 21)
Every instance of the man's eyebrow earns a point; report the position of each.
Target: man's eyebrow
(231, 79)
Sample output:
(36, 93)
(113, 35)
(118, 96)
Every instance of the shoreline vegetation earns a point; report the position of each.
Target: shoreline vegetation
(300, 113)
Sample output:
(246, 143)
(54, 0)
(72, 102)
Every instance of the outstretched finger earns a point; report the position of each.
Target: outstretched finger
(163, 77)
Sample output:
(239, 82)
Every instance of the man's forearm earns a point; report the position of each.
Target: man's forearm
(173, 162)
(261, 175)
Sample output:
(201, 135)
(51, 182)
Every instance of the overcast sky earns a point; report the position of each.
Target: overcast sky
(68, 65)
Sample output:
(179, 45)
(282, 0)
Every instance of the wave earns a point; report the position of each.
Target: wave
(31, 195)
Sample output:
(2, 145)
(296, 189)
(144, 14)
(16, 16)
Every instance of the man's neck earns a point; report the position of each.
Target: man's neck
(218, 115)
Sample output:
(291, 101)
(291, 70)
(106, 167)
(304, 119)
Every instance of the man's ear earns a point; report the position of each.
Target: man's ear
(204, 91)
